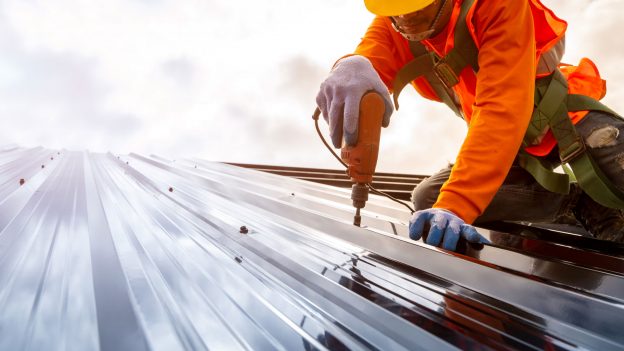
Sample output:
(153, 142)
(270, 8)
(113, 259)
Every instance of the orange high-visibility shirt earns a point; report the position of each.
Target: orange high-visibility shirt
(497, 102)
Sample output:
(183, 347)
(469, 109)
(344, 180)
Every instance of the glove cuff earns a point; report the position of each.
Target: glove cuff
(353, 60)
(448, 211)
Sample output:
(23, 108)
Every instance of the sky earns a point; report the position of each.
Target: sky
(225, 80)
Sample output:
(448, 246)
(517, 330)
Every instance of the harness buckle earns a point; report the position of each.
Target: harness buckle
(572, 151)
(445, 73)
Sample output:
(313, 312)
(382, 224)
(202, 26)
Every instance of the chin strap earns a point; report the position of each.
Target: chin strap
(422, 35)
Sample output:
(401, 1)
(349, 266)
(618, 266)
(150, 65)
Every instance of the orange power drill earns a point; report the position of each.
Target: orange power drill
(361, 159)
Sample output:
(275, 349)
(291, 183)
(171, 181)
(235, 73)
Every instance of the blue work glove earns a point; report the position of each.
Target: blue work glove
(340, 94)
(444, 227)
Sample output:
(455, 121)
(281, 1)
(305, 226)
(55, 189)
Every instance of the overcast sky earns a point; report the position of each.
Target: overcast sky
(224, 80)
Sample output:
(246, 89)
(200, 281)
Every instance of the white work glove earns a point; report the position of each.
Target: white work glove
(340, 94)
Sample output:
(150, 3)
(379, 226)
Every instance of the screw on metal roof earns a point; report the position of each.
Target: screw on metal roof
(170, 189)
(243, 230)
(42, 166)
(22, 181)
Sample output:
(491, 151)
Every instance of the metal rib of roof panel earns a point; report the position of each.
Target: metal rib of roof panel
(130, 252)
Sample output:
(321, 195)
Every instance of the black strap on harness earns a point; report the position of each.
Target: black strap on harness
(552, 103)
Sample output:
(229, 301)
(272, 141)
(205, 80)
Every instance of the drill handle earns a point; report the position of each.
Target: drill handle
(362, 157)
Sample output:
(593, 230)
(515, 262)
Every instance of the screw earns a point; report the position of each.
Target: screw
(238, 259)
(51, 158)
(170, 189)
(42, 166)
(22, 181)
(243, 230)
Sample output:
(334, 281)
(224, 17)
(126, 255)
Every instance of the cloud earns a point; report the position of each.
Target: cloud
(55, 99)
(301, 78)
(223, 80)
(217, 79)
(180, 70)
(593, 28)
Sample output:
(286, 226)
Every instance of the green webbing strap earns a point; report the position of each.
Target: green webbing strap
(441, 74)
(423, 65)
(465, 50)
(553, 108)
(550, 97)
(539, 122)
(551, 181)
(577, 102)
(566, 168)
(444, 93)
(417, 67)
(595, 183)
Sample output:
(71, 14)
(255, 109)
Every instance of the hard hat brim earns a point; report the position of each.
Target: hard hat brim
(395, 7)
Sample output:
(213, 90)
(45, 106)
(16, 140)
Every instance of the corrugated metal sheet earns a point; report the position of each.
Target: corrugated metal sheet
(397, 185)
(129, 252)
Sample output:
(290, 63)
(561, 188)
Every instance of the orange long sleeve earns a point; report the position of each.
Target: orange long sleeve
(498, 103)
(501, 111)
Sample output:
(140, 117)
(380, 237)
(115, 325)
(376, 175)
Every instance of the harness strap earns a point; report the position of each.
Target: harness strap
(553, 109)
(441, 73)
(419, 66)
(544, 175)
(442, 90)
(578, 102)
(595, 183)
(550, 102)
(464, 50)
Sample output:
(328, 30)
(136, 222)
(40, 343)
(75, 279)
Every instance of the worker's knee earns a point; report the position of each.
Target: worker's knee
(604, 138)
(426, 193)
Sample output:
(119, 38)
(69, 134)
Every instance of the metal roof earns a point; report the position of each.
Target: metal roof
(128, 252)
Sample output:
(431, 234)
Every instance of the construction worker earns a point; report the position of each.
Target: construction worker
(497, 65)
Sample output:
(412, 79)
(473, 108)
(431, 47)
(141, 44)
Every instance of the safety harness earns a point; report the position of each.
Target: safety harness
(551, 106)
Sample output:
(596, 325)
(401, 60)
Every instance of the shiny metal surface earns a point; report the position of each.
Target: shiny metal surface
(129, 252)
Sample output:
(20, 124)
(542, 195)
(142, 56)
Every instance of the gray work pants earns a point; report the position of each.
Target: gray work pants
(521, 198)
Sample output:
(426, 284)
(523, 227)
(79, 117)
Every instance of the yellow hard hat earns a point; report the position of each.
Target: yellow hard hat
(395, 7)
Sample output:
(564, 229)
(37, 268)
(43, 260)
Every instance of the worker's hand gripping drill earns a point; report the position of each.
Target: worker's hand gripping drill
(340, 94)
(356, 103)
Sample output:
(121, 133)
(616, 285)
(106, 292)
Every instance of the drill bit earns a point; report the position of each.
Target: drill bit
(359, 195)
(357, 219)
